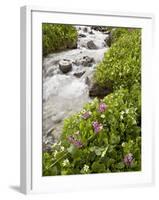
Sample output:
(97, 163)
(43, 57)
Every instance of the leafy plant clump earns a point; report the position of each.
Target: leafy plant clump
(58, 37)
(116, 33)
(121, 66)
(104, 137)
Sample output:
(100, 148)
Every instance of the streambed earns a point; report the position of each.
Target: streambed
(65, 80)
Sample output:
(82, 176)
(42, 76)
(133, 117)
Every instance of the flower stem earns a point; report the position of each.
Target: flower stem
(57, 160)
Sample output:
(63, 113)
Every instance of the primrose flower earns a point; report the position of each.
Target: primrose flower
(71, 139)
(85, 168)
(65, 163)
(97, 127)
(78, 144)
(128, 159)
(86, 115)
(102, 107)
(75, 142)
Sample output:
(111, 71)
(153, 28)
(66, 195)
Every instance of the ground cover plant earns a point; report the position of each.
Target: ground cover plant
(58, 37)
(121, 66)
(104, 137)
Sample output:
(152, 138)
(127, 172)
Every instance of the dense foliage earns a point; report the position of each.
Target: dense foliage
(100, 137)
(118, 32)
(58, 37)
(121, 65)
(106, 135)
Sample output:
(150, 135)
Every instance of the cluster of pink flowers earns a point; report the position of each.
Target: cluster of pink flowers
(75, 142)
(86, 115)
(97, 127)
(128, 159)
(102, 107)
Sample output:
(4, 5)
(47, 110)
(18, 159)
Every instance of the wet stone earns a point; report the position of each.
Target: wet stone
(97, 91)
(79, 74)
(65, 65)
(85, 61)
(91, 45)
(81, 35)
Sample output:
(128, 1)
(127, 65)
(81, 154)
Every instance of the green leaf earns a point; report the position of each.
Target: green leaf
(120, 165)
(72, 149)
(98, 152)
(98, 168)
(54, 170)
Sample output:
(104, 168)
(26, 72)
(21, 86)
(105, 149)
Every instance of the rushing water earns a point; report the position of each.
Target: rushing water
(65, 94)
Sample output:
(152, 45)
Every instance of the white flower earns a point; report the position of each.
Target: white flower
(55, 153)
(83, 111)
(102, 116)
(122, 112)
(62, 148)
(86, 168)
(123, 144)
(65, 163)
(131, 141)
(54, 145)
(127, 111)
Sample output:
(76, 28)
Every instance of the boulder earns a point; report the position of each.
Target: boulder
(65, 65)
(91, 32)
(85, 61)
(48, 141)
(97, 91)
(99, 28)
(87, 81)
(108, 39)
(79, 74)
(91, 45)
(85, 29)
(72, 45)
(107, 32)
(81, 35)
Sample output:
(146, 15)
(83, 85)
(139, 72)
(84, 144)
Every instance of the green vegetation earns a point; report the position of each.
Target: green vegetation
(118, 32)
(58, 37)
(106, 135)
(100, 136)
(121, 66)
